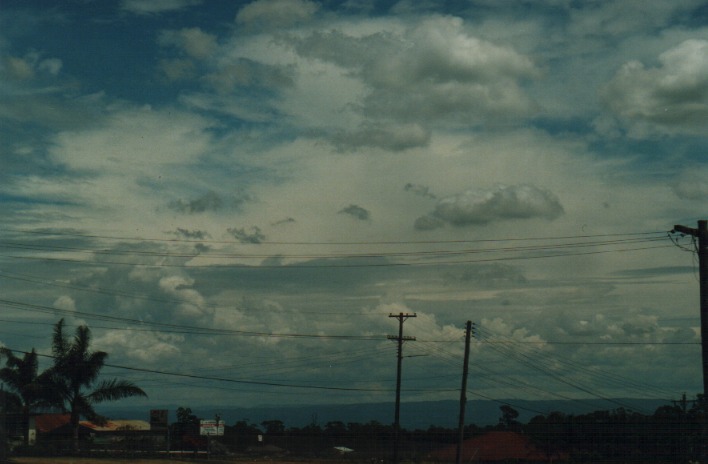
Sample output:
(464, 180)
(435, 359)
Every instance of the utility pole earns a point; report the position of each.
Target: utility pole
(3, 425)
(463, 393)
(397, 414)
(702, 234)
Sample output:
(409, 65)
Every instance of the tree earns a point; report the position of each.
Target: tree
(185, 416)
(31, 390)
(508, 417)
(273, 427)
(76, 368)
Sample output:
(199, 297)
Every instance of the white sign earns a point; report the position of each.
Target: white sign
(210, 427)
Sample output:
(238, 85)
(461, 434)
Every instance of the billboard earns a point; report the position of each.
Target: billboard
(158, 419)
(211, 427)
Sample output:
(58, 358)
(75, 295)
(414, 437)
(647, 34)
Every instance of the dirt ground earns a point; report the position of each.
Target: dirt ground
(70, 460)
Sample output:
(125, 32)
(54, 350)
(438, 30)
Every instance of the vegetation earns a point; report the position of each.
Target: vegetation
(673, 433)
(76, 369)
(67, 385)
(29, 390)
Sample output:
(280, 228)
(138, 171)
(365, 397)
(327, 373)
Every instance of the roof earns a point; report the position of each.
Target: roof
(46, 423)
(495, 446)
(117, 425)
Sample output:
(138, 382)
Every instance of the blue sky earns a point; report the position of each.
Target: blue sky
(247, 190)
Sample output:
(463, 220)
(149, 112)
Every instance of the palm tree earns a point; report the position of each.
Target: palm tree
(30, 389)
(74, 373)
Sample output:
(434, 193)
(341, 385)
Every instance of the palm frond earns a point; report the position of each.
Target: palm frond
(60, 344)
(110, 390)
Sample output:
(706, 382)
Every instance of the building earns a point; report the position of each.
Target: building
(498, 446)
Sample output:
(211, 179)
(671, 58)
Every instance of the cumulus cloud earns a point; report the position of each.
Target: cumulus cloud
(276, 13)
(428, 223)
(26, 67)
(432, 71)
(671, 96)
(477, 207)
(144, 347)
(193, 304)
(692, 185)
(421, 190)
(65, 302)
(387, 137)
(356, 212)
(135, 140)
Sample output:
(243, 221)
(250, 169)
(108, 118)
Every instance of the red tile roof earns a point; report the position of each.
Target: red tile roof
(48, 422)
(495, 446)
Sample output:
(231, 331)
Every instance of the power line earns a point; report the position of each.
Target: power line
(45, 232)
(192, 330)
(320, 265)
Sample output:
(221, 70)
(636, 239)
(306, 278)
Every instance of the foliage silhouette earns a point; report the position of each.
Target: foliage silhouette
(75, 371)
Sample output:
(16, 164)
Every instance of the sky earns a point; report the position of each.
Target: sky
(236, 197)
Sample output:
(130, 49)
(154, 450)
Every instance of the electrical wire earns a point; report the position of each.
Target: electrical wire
(176, 328)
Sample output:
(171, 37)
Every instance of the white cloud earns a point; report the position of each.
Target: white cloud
(671, 97)
(692, 185)
(605, 20)
(25, 68)
(476, 207)
(134, 141)
(432, 72)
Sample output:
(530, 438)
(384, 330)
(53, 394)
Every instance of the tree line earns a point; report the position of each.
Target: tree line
(673, 433)
(69, 385)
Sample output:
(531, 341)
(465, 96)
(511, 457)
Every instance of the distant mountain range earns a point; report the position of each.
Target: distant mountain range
(414, 415)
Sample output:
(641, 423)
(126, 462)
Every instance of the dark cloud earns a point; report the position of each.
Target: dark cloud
(422, 190)
(254, 235)
(191, 234)
(394, 138)
(478, 207)
(287, 220)
(210, 201)
(357, 212)
(428, 223)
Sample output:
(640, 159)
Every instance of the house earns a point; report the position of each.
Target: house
(498, 446)
(47, 428)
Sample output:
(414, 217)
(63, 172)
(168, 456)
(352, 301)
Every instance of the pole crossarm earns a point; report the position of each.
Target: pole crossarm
(685, 230)
(701, 233)
(400, 338)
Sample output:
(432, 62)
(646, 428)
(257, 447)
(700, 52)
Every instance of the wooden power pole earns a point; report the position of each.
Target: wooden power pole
(463, 393)
(397, 414)
(701, 233)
